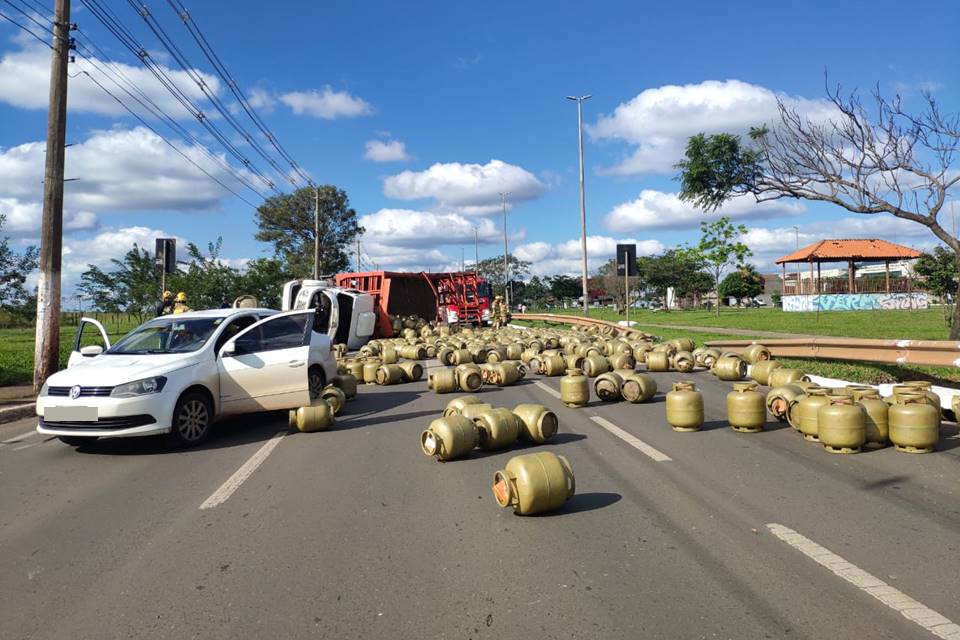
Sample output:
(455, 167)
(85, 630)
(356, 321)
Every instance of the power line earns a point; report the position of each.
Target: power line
(24, 28)
(26, 14)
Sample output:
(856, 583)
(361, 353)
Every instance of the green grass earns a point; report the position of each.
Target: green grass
(927, 324)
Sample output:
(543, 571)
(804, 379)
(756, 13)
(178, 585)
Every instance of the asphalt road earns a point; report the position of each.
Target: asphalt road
(354, 533)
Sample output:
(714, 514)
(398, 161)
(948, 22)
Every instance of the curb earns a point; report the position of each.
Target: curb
(17, 412)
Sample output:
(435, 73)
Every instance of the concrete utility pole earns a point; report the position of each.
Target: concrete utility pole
(506, 270)
(583, 211)
(358, 254)
(46, 355)
(316, 233)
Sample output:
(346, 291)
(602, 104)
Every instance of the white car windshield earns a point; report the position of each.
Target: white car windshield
(167, 335)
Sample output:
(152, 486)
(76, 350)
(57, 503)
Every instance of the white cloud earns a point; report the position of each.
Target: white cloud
(326, 104)
(658, 122)
(25, 83)
(470, 188)
(406, 228)
(386, 151)
(658, 210)
(23, 218)
(566, 257)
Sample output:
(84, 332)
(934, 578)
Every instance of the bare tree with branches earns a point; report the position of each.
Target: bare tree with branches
(877, 160)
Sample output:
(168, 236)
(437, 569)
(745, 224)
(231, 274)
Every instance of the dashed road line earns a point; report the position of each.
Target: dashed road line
(548, 389)
(903, 604)
(241, 475)
(632, 440)
(19, 438)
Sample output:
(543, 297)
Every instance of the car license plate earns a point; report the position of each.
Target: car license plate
(70, 414)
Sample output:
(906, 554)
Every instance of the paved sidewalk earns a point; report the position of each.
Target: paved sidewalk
(16, 402)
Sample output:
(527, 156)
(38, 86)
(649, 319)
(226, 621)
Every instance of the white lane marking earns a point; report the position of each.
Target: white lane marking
(241, 475)
(632, 440)
(906, 606)
(548, 389)
(19, 438)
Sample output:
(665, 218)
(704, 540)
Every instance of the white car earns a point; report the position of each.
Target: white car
(177, 374)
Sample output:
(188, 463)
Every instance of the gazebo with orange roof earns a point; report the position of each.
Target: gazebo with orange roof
(849, 251)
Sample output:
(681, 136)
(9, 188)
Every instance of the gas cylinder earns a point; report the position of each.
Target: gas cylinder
(574, 388)
(573, 360)
(469, 377)
(684, 362)
(414, 352)
(431, 351)
(487, 372)
(355, 368)
(455, 407)
(336, 398)
(622, 361)
(505, 374)
(607, 386)
(808, 409)
(875, 418)
(317, 417)
(529, 354)
(496, 354)
(685, 407)
(841, 425)
(619, 346)
(746, 411)
(448, 438)
(914, 424)
(729, 367)
(756, 353)
(370, 367)
(445, 356)
(710, 357)
(514, 349)
(637, 387)
(780, 398)
(292, 419)
(389, 374)
(595, 364)
(471, 411)
(682, 344)
(553, 365)
(537, 423)
(443, 381)
(412, 371)
(497, 428)
(925, 387)
(388, 354)
(534, 483)
(761, 369)
(461, 356)
(658, 361)
(347, 383)
(640, 352)
(372, 348)
(780, 376)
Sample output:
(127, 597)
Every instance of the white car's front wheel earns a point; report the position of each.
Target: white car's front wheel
(316, 381)
(192, 419)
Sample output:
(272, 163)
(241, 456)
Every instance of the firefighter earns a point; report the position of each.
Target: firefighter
(166, 304)
(180, 306)
(496, 312)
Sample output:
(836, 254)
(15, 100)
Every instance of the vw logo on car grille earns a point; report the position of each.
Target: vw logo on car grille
(75, 392)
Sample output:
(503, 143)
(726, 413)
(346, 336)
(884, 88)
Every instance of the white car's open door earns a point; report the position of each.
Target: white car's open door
(264, 367)
(91, 340)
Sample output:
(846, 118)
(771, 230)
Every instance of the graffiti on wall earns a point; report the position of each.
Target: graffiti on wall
(856, 302)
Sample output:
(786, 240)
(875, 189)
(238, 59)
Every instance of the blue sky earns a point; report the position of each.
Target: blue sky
(457, 102)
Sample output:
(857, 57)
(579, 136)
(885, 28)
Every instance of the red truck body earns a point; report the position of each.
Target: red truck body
(455, 297)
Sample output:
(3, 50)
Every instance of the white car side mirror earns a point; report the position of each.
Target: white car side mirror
(229, 349)
(91, 350)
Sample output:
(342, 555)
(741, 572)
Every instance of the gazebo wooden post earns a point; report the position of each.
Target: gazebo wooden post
(887, 265)
(810, 288)
(850, 271)
(784, 278)
(819, 283)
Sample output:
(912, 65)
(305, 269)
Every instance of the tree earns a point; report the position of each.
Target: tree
(263, 278)
(613, 284)
(535, 293)
(745, 282)
(565, 287)
(491, 270)
(287, 222)
(941, 273)
(885, 161)
(207, 281)
(14, 269)
(132, 287)
(680, 268)
(720, 248)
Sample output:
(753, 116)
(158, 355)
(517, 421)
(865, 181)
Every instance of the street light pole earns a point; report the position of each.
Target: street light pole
(583, 211)
(506, 274)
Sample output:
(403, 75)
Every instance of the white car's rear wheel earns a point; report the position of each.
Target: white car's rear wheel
(192, 419)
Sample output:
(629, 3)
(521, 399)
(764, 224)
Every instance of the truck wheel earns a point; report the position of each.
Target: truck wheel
(77, 441)
(316, 381)
(192, 419)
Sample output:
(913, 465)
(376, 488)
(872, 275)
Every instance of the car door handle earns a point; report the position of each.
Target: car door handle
(293, 364)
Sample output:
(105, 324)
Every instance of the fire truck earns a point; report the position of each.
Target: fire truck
(452, 297)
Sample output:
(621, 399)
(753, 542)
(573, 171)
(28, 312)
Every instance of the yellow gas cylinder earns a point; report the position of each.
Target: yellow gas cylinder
(414, 352)
(684, 362)
(456, 406)
(573, 360)
(388, 354)
(637, 387)
(575, 388)
(534, 483)
(335, 397)
(698, 355)
(445, 355)
(607, 386)
(317, 417)
(347, 383)
(658, 361)
(450, 437)
(487, 372)
(927, 389)
(431, 351)
(684, 407)
(841, 425)
(595, 364)
(640, 352)
(370, 367)
(528, 354)
(619, 346)
(497, 428)
(746, 411)
(808, 409)
(355, 368)
(780, 376)
(514, 350)
(553, 365)
(505, 373)
(875, 417)
(710, 357)
(389, 374)
(729, 367)
(682, 344)
(370, 349)
(914, 424)
(761, 369)
(537, 423)
(620, 361)
(756, 353)
(780, 398)
(461, 356)
(292, 419)
(469, 377)
(443, 381)
(412, 371)
(471, 411)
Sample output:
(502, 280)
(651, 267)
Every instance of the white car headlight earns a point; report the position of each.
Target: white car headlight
(139, 387)
(486, 313)
(43, 390)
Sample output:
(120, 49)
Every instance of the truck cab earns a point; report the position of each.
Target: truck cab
(346, 315)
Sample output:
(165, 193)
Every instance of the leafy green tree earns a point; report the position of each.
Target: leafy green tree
(133, 286)
(263, 278)
(565, 287)
(208, 282)
(287, 222)
(941, 274)
(14, 269)
(720, 247)
(535, 293)
(867, 159)
(680, 268)
(745, 282)
(491, 270)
